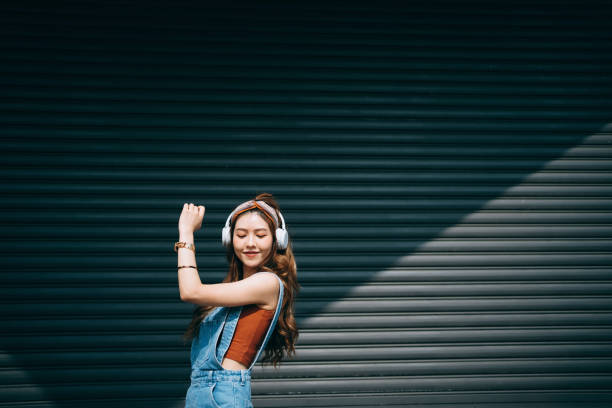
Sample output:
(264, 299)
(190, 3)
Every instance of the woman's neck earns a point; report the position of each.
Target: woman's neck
(246, 272)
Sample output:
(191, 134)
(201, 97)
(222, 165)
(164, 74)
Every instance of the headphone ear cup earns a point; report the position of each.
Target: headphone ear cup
(282, 238)
(226, 239)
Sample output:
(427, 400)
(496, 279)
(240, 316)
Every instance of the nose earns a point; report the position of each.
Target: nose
(251, 241)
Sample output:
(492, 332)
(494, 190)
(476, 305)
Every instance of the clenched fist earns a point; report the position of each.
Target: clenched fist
(191, 218)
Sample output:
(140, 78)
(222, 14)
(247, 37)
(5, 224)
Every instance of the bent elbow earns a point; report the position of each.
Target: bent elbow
(186, 297)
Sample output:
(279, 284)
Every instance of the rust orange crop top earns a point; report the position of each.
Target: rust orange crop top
(249, 334)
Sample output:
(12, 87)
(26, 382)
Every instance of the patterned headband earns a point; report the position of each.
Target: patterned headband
(262, 205)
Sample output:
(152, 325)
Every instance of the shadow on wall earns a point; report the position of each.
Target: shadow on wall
(526, 250)
(444, 225)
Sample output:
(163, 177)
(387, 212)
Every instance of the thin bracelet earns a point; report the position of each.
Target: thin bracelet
(184, 266)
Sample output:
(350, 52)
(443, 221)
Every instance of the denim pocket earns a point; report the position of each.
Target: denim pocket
(200, 395)
(211, 389)
(223, 394)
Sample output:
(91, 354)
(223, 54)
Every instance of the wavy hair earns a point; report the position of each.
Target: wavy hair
(282, 263)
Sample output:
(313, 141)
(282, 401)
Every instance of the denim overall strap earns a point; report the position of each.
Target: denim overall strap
(279, 306)
(203, 345)
(231, 321)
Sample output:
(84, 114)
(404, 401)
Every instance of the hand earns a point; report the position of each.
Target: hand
(191, 218)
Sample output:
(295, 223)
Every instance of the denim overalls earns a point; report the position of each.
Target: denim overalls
(212, 385)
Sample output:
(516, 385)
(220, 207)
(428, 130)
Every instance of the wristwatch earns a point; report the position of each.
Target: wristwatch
(181, 244)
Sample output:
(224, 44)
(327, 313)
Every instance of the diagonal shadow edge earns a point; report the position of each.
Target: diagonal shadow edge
(402, 262)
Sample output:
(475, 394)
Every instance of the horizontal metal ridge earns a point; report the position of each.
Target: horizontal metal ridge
(60, 158)
(132, 357)
(109, 337)
(327, 190)
(216, 208)
(49, 94)
(298, 176)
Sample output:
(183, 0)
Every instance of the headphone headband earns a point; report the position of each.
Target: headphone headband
(282, 237)
(262, 205)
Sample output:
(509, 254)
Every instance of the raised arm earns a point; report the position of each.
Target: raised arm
(260, 288)
(189, 222)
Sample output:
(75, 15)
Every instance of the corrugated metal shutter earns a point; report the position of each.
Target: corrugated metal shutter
(444, 170)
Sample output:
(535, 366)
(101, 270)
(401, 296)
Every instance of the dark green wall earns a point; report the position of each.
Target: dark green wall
(444, 169)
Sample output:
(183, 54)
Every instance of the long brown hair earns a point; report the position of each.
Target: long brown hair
(282, 263)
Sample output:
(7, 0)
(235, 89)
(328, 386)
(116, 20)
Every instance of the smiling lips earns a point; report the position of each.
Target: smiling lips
(250, 254)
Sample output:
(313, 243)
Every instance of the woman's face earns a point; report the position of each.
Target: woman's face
(252, 241)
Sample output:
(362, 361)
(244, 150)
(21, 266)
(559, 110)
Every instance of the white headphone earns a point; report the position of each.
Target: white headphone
(282, 236)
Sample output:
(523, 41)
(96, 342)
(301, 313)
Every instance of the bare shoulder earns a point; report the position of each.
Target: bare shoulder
(268, 279)
(269, 282)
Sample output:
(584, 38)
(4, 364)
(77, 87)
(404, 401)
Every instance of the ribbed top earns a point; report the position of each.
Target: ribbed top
(249, 334)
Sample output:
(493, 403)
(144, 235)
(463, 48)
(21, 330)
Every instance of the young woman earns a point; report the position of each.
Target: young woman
(250, 312)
